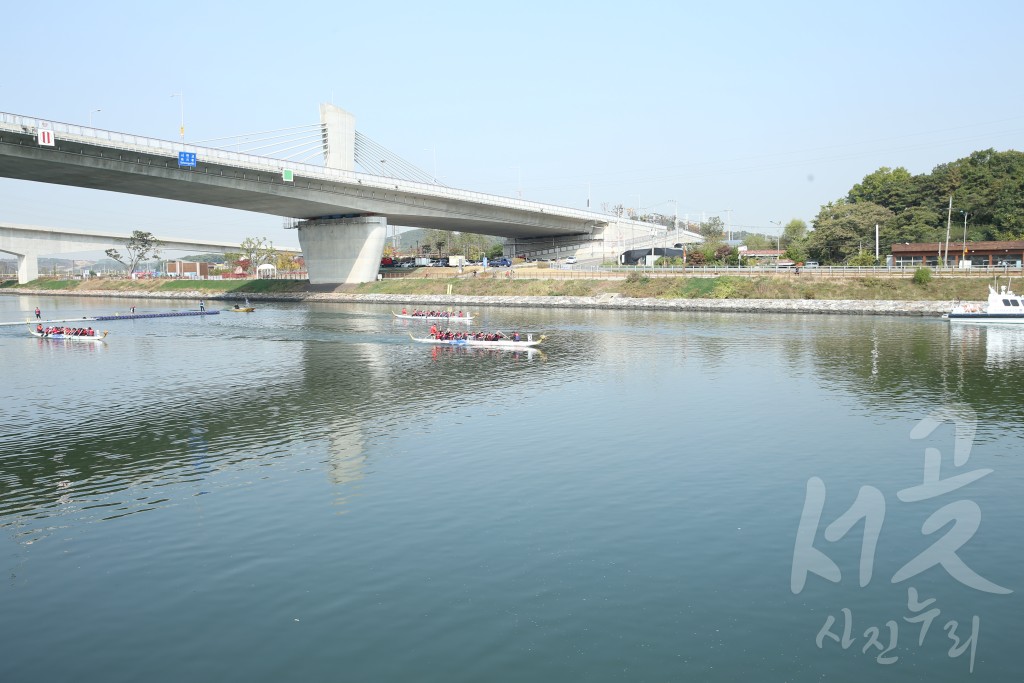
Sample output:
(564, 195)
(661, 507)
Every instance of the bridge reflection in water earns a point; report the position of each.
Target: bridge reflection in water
(318, 381)
(382, 504)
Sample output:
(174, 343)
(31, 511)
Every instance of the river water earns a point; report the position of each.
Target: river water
(303, 494)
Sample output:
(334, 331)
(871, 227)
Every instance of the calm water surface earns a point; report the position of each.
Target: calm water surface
(303, 494)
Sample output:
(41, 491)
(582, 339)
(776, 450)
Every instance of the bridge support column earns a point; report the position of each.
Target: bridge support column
(343, 251)
(28, 268)
(339, 137)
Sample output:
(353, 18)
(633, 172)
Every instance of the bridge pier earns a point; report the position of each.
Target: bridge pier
(28, 268)
(343, 250)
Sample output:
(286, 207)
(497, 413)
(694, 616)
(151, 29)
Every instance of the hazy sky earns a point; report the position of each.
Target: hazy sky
(770, 110)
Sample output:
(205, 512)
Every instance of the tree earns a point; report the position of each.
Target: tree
(756, 241)
(712, 229)
(615, 210)
(864, 258)
(257, 251)
(139, 247)
(914, 225)
(841, 227)
(286, 262)
(795, 231)
(796, 252)
(888, 187)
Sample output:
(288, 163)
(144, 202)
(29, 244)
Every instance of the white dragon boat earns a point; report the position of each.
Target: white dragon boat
(71, 337)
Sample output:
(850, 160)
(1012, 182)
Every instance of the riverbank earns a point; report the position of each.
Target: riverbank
(863, 296)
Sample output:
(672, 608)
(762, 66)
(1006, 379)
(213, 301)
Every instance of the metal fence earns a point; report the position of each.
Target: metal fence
(591, 272)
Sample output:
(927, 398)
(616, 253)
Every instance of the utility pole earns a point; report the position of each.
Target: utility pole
(964, 245)
(675, 218)
(949, 217)
(778, 238)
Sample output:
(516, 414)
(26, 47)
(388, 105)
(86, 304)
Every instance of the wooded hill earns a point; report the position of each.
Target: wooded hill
(987, 186)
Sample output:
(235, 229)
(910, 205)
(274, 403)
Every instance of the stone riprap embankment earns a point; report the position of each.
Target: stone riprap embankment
(820, 306)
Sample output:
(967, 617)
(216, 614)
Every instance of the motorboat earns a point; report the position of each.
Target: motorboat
(1003, 306)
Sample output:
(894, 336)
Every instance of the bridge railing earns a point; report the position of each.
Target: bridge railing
(137, 143)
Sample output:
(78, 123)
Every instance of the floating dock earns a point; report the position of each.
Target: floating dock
(116, 316)
(137, 316)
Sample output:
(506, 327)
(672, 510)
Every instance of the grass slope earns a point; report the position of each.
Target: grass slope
(941, 288)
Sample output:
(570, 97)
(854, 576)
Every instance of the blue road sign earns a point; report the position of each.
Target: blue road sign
(187, 159)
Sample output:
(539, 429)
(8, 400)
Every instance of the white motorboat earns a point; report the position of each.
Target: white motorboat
(1003, 306)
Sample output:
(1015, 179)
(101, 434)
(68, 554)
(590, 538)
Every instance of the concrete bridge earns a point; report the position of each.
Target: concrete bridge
(28, 242)
(342, 216)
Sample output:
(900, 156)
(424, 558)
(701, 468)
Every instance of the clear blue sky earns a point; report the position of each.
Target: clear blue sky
(770, 110)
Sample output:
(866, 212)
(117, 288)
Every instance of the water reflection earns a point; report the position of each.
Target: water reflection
(440, 352)
(923, 364)
(165, 402)
(1004, 346)
(171, 403)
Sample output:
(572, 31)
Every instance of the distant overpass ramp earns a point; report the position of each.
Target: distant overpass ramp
(29, 242)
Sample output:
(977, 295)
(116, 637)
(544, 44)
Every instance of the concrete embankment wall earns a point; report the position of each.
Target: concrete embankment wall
(844, 307)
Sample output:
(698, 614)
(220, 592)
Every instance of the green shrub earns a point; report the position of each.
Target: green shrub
(635, 277)
(922, 276)
(862, 259)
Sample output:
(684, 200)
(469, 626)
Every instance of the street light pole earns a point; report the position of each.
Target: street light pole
(90, 116)
(181, 99)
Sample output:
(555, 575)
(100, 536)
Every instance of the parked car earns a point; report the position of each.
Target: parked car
(811, 264)
(570, 261)
(501, 262)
